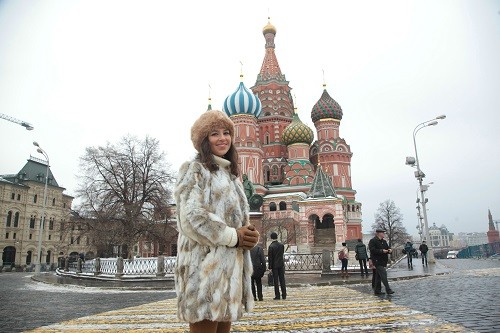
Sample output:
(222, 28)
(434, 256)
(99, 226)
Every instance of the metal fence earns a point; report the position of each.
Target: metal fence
(164, 266)
(119, 267)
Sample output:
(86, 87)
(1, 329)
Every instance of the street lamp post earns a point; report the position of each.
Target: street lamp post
(420, 176)
(42, 220)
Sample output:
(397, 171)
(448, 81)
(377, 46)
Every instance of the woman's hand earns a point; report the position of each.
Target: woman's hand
(248, 237)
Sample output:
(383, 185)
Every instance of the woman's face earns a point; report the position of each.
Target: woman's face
(220, 141)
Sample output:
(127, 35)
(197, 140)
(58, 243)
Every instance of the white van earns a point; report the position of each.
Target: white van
(452, 255)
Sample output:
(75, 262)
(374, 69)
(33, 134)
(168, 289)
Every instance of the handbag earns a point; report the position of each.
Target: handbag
(356, 256)
(270, 279)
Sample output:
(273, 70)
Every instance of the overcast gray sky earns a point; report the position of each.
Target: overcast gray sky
(87, 72)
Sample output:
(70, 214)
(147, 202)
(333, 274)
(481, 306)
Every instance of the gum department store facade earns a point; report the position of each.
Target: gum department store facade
(296, 186)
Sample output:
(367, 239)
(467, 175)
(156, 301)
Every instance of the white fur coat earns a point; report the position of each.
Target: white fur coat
(212, 280)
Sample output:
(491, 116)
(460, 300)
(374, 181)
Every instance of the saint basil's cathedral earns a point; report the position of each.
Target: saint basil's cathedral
(297, 187)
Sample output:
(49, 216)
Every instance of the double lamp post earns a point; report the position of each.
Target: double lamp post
(420, 176)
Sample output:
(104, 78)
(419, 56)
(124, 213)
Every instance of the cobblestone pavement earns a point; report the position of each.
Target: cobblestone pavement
(469, 295)
(327, 305)
(25, 304)
(308, 309)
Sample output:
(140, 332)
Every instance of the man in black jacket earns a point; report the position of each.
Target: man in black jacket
(277, 265)
(423, 252)
(259, 268)
(379, 253)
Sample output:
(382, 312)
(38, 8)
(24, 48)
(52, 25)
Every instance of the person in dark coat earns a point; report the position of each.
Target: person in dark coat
(259, 268)
(409, 253)
(362, 256)
(423, 252)
(276, 261)
(379, 253)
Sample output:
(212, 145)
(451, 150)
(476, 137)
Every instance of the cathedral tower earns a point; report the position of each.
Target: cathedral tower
(277, 111)
(492, 233)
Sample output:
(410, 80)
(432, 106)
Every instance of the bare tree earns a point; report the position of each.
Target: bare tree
(389, 217)
(127, 184)
(286, 228)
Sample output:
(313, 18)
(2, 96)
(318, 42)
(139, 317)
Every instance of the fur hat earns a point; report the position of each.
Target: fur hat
(208, 121)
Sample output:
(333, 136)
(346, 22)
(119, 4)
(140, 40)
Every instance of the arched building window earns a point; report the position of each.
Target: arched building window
(325, 223)
(272, 207)
(47, 259)
(9, 218)
(28, 257)
(328, 221)
(282, 205)
(32, 222)
(16, 220)
(316, 220)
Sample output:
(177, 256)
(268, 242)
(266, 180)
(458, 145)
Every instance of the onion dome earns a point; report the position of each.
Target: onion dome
(297, 132)
(269, 28)
(326, 107)
(242, 101)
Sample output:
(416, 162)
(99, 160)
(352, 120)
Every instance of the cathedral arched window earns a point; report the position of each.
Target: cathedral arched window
(266, 139)
(272, 207)
(328, 221)
(282, 205)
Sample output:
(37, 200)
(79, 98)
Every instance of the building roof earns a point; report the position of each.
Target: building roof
(322, 186)
(288, 194)
(34, 170)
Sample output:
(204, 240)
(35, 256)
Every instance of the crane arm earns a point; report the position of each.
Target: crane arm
(17, 121)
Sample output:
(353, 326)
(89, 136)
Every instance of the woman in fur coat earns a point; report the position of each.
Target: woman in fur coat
(213, 269)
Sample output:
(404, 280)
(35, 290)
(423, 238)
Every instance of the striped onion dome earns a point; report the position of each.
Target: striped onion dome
(326, 107)
(242, 101)
(297, 132)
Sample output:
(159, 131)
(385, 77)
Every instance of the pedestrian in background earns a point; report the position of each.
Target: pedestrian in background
(379, 253)
(344, 259)
(259, 268)
(361, 256)
(423, 252)
(275, 257)
(408, 250)
(213, 268)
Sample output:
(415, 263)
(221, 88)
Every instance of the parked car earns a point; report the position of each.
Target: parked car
(452, 255)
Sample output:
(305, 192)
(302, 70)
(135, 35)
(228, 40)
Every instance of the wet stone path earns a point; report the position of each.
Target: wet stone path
(469, 295)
